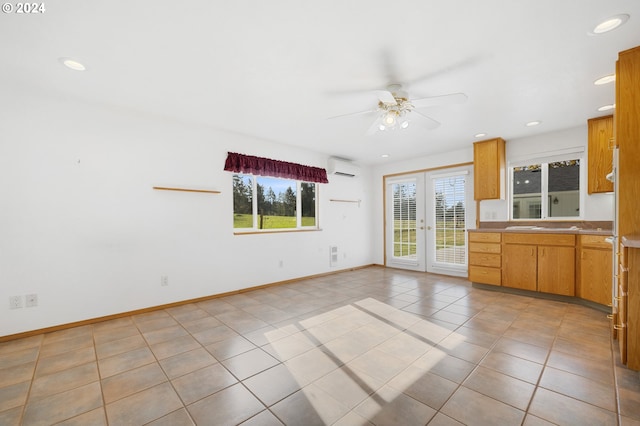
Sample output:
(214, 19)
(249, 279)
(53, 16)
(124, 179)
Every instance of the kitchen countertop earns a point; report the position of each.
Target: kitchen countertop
(632, 241)
(543, 230)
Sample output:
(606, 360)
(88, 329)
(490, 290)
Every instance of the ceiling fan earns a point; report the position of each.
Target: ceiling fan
(395, 109)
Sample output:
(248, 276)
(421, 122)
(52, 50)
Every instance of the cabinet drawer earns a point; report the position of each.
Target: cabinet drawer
(540, 239)
(485, 248)
(595, 241)
(484, 275)
(485, 259)
(485, 237)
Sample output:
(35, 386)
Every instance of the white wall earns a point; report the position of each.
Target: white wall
(81, 226)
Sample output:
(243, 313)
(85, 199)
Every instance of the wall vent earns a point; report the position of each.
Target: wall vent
(333, 255)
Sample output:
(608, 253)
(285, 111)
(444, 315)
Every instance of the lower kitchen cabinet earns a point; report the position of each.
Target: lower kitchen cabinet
(520, 266)
(595, 269)
(539, 262)
(629, 312)
(485, 257)
(557, 270)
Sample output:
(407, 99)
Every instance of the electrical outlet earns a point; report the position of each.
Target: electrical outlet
(164, 280)
(31, 300)
(15, 302)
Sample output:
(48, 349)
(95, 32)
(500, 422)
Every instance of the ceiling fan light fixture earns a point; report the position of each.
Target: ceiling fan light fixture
(610, 24)
(390, 118)
(605, 80)
(404, 124)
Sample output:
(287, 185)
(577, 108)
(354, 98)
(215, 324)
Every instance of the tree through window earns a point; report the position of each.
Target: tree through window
(261, 202)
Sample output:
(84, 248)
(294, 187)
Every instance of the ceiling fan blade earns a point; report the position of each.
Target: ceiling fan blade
(374, 128)
(351, 114)
(386, 97)
(447, 70)
(450, 99)
(425, 121)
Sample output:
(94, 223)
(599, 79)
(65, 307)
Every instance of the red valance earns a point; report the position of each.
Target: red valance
(239, 163)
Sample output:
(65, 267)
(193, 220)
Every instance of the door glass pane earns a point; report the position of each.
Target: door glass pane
(527, 192)
(450, 229)
(404, 220)
(564, 188)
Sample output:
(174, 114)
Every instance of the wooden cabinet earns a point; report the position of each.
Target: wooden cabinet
(626, 131)
(520, 269)
(633, 310)
(600, 154)
(621, 302)
(539, 262)
(557, 270)
(485, 258)
(595, 263)
(489, 169)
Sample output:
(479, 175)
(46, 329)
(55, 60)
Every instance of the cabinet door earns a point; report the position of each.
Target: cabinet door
(595, 275)
(488, 169)
(557, 270)
(600, 154)
(519, 266)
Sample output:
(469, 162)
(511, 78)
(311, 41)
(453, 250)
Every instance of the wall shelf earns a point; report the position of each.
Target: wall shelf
(165, 188)
(345, 201)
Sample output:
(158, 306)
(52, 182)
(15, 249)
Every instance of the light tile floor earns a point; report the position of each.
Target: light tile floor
(371, 346)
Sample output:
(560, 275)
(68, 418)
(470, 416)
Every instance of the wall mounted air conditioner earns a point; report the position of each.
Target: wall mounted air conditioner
(338, 166)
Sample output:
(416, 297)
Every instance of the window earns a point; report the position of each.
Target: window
(267, 203)
(546, 190)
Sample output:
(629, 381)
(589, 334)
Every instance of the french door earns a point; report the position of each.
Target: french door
(405, 222)
(427, 215)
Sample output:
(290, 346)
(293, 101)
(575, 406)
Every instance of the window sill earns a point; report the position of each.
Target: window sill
(276, 231)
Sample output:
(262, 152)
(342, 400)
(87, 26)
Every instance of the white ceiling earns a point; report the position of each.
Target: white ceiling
(277, 70)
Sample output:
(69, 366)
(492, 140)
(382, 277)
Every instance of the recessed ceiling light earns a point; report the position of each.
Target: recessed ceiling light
(533, 123)
(72, 63)
(605, 80)
(606, 107)
(610, 24)
(385, 156)
(480, 135)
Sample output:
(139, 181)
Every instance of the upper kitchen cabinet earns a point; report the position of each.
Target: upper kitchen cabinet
(489, 169)
(600, 154)
(627, 131)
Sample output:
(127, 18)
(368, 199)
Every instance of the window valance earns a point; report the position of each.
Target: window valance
(239, 163)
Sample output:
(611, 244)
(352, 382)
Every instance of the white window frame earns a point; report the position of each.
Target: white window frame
(544, 161)
(254, 207)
